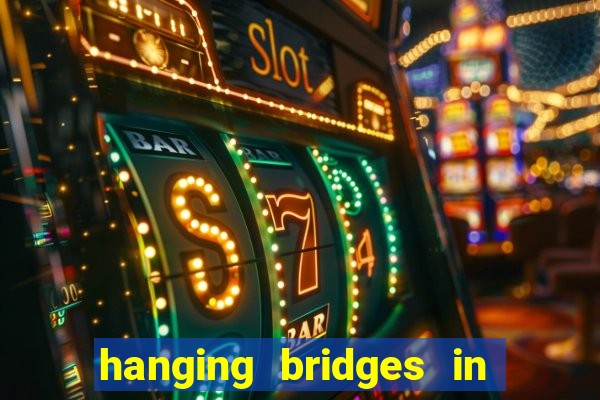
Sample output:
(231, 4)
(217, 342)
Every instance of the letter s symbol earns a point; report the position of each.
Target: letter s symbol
(267, 68)
(220, 297)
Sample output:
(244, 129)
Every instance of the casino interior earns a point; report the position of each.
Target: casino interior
(276, 169)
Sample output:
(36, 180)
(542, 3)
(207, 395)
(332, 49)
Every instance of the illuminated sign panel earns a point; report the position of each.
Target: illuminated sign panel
(483, 69)
(424, 80)
(498, 109)
(465, 13)
(456, 112)
(373, 109)
(151, 36)
(262, 51)
(168, 19)
(271, 64)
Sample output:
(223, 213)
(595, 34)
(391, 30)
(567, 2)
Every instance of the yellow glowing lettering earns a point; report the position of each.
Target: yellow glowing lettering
(304, 68)
(252, 29)
(282, 55)
(269, 23)
(286, 61)
(374, 107)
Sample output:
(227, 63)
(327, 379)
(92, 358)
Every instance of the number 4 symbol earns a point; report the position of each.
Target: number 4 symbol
(364, 253)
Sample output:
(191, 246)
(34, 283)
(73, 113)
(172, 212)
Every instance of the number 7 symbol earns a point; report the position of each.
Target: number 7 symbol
(302, 209)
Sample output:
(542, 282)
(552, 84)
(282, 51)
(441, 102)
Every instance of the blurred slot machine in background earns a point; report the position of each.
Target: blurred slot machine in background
(480, 169)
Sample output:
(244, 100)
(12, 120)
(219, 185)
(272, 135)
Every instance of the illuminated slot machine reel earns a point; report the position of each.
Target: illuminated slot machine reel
(200, 239)
(301, 234)
(195, 247)
(456, 113)
(373, 240)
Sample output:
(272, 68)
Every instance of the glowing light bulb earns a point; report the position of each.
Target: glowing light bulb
(185, 214)
(150, 252)
(161, 303)
(197, 263)
(163, 330)
(143, 228)
(124, 176)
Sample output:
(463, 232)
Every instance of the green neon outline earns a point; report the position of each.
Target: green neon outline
(274, 163)
(342, 232)
(63, 308)
(265, 239)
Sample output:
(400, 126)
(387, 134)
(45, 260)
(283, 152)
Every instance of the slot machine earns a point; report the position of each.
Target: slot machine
(236, 169)
(480, 168)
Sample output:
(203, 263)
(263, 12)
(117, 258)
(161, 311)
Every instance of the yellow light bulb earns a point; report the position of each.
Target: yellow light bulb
(143, 228)
(150, 252)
